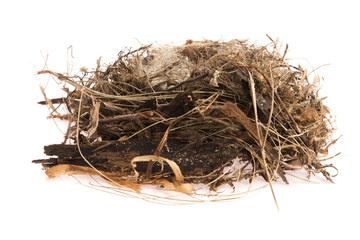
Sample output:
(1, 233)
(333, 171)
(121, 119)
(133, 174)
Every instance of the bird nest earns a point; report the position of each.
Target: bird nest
(206, 112)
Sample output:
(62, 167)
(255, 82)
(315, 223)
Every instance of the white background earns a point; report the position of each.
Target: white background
(31, 206)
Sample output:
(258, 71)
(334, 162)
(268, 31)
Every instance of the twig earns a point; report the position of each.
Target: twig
(134, 116)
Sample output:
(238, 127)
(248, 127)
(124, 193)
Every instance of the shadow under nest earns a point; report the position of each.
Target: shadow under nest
(204, 112)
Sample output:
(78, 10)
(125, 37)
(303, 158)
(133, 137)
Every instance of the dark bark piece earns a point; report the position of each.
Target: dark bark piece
(193, 160)
(53, 101)
(181, 104)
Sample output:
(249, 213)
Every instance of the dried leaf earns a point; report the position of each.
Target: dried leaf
(231, 110)
(184, 188)
(178, 175)
(68, 169)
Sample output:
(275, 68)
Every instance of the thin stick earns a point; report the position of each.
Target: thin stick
(253, 96)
